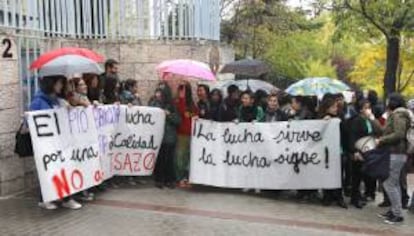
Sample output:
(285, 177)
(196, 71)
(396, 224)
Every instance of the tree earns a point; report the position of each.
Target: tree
(389, 18)
(254, 20)
(370, 66)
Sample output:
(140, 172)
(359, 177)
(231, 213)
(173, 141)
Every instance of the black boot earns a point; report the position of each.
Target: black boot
(341, 203)
(357, 203)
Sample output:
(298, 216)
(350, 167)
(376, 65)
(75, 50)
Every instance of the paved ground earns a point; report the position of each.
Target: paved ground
(145, 210)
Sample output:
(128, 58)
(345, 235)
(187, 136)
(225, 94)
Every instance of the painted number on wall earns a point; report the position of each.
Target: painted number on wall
(7, 50)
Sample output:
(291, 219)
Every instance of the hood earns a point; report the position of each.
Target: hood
(402, 111)
(40, 94)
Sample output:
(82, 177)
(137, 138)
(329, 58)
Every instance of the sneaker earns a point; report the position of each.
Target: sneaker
(245, 190)
(257, 191)
(87, 197)
(132, 182)
(394, 220)
(72, 204)
(386, 215)
(47, 205)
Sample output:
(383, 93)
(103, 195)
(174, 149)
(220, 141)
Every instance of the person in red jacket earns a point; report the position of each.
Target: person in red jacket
(187, 111)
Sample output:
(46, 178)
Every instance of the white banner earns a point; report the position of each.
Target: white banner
(78, 148)
(281, 155)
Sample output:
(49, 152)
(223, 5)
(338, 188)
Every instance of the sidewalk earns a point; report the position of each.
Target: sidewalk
(145, 210)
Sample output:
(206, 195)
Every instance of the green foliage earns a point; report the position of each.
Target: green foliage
(348, 43)
(374, 21)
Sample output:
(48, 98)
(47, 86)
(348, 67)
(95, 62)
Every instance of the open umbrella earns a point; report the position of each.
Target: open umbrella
(251, 84)
(165, 64)
(249, 67)
(317, 86)
(189, 68)
(48, 56)
(68, 65)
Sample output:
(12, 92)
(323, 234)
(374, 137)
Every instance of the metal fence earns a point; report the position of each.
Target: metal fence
(114, 19)
(34, 21)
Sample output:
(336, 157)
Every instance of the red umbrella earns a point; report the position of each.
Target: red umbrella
(46, 57)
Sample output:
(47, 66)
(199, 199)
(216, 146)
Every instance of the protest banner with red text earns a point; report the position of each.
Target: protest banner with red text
(78, 148)
(280, 155)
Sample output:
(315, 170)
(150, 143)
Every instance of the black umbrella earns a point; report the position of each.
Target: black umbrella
(249, 67)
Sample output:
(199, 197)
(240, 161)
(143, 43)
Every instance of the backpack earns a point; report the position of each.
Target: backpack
(410, 133)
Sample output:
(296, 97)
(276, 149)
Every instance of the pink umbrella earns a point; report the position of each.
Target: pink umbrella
(187, 68)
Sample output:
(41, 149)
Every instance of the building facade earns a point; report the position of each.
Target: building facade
(138, 33)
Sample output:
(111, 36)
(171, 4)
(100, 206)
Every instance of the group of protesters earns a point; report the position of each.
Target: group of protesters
(363, 116)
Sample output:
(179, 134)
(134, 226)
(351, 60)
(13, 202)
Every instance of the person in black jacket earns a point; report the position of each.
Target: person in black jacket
(111, 69)
(361, 126)
(216, 98)
(203, 104)
(328, 109)
(229, 107)
(273, 112)
(164, 174)
(111, 90)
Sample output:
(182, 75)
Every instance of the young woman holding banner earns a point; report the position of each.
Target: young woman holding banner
(52, 89)
(79, 97)
(249, 112)
(328, 109)
(164, 173)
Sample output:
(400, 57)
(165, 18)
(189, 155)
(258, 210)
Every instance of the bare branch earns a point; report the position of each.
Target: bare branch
(407, 82)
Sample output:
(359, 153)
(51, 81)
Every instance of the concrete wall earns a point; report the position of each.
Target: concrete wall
(137, 60)
(13, 170)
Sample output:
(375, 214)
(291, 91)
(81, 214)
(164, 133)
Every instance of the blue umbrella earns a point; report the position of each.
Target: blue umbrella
(317, 86)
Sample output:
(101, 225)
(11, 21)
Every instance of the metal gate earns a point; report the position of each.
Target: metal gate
(34, 22)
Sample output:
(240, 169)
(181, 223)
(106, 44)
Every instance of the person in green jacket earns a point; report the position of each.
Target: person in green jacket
(248, 112)
(394, 139)
(164, 173)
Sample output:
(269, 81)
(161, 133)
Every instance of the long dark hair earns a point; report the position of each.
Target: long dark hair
(248, 93)
(129, 84)
(205, 87)
(47, 83)
(189, 102)
(218, 92)
(94, 93)
(360, 104)
(326, 103)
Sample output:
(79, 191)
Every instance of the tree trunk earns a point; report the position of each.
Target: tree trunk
(393, 58)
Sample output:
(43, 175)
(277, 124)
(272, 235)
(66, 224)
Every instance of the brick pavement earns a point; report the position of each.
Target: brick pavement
(145, 210)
